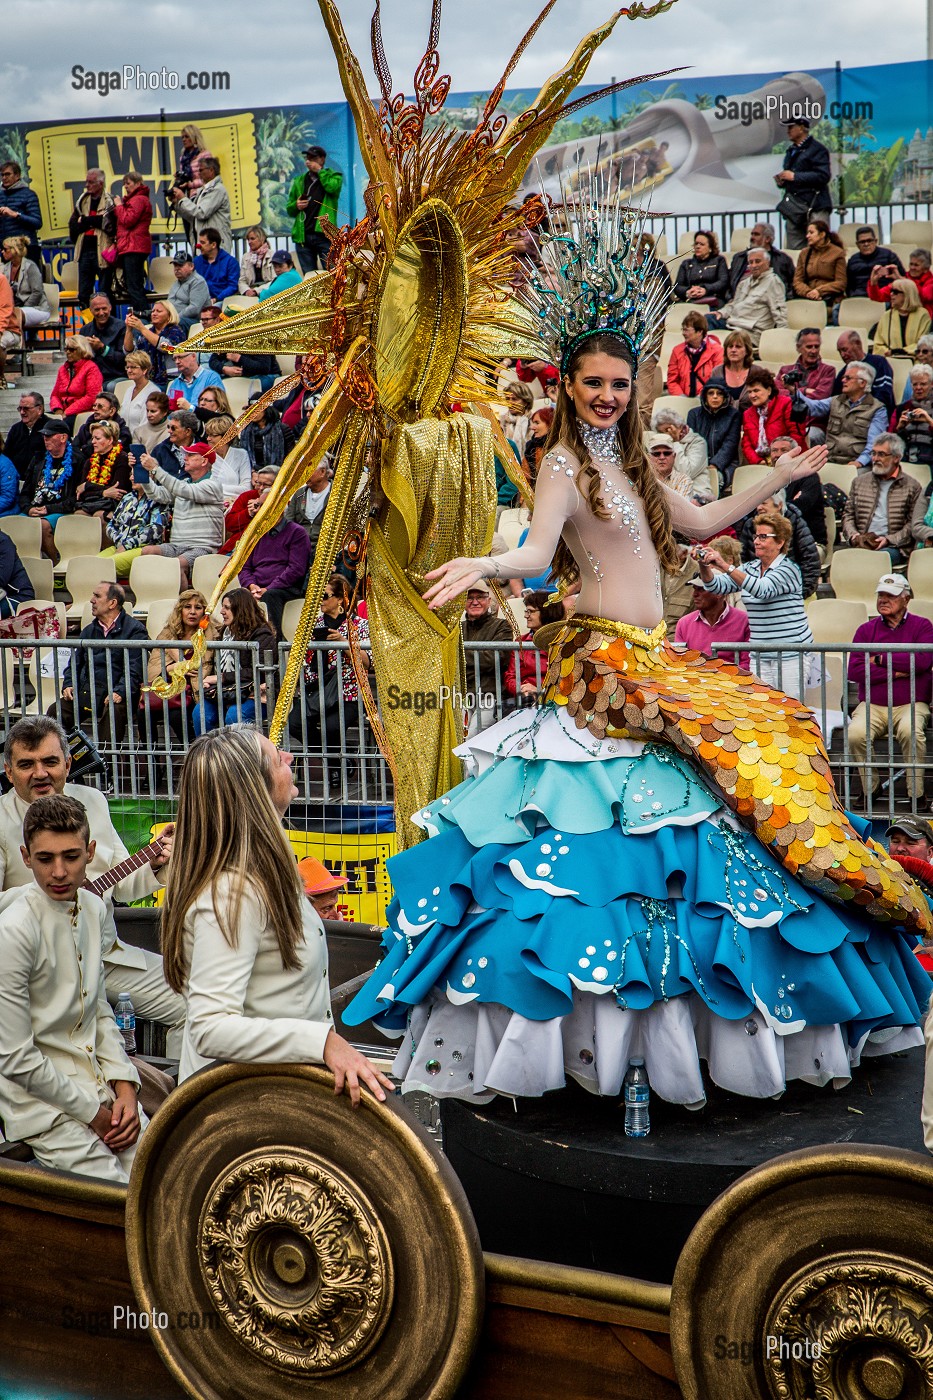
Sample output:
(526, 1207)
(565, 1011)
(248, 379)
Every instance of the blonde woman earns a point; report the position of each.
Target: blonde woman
(232, 464)
(105, 472)
(184, 622)
(32, 305)
(902, 325)
(133, 403)
(158, 339)
(256, 268)
(78, 382)
(240, 941)
(211, 403)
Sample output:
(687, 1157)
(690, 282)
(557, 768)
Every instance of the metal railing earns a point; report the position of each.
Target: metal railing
(337, 761)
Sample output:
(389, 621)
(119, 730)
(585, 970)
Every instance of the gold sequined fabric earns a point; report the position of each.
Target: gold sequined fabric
(762, 749)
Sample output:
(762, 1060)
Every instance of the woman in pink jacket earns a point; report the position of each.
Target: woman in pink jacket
(78, 382)
(134, 215)
(693, 362)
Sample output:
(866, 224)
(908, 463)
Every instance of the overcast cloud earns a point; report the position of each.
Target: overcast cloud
(272, 62)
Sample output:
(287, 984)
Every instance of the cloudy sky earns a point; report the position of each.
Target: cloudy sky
(272, 59)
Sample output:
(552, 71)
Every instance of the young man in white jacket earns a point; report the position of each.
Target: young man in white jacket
(67, 1086)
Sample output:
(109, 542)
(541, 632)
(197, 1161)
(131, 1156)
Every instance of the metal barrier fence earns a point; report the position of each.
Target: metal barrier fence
(337, 760)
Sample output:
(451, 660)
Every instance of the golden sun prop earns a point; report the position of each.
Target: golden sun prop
(408, 326)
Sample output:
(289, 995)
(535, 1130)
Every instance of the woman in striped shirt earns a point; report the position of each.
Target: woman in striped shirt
(772, 594)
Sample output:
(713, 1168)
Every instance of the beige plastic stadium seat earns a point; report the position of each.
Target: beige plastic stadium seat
(239, 391)
(838, 474)
(80, 420)
(780, 345)
(77, 536)
(901, 370)
(153, 577)
(846, 234)
(674, 316)
(668, 341)
(511, 524)
(26, 533)
(903, 251)
(41, 575)
(238, 303)
(834, 620)
(206, 570)
(917, 232)
(830, 517)
(680, 403)
(291, 614)
(740, 239)
(922, 607)
(860, 312)
(160, 610)
(801, 314)
(918, 470)
(749, 474)
(161, 275)
(685, 243)
(854, 574)
(82, 575)
(920, 573)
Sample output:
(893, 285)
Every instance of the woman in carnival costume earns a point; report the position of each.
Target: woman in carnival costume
(655, 862)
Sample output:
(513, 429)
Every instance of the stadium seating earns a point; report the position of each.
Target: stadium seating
(854, 574)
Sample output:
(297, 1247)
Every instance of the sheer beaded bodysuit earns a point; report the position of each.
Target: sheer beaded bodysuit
(617, 677)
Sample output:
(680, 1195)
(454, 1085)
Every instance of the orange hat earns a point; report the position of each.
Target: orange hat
(317, 878)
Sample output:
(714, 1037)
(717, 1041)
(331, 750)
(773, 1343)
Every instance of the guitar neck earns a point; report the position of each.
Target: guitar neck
(126, 867)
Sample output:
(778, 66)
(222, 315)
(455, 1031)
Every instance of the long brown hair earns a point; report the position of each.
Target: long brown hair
(227, 774)
(638, 469)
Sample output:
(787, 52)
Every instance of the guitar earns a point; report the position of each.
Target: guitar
(127, 867)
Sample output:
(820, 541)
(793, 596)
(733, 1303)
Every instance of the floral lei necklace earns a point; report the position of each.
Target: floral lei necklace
(100, 471)
(53, 480)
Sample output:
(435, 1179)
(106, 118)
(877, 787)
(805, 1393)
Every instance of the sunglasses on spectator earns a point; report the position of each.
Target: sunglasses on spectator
(869, 238)
(662, 451)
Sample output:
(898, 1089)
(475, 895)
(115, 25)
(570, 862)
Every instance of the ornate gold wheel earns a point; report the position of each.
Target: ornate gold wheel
(291, 1246)
(811, 1279)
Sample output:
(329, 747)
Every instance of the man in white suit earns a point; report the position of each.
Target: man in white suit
(67, 1086)
(37, 763)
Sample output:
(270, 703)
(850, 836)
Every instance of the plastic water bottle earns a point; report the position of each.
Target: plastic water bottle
(125, 1015)
(636, 1092)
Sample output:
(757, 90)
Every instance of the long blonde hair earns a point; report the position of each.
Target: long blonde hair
(564, 429)
(227, 825)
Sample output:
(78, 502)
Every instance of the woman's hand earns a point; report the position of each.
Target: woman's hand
(453, 578)
(714, 560)
(812, 295)
(797, 464)
(351, 1070)
(124, 1118)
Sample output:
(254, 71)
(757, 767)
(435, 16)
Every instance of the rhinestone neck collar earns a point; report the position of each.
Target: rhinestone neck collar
(601, 442)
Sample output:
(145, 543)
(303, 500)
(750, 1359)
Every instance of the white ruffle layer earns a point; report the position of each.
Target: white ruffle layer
(474, 1051)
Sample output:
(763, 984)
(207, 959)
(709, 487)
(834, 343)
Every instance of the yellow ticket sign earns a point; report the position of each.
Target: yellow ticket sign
(361, 858)
(60, 156)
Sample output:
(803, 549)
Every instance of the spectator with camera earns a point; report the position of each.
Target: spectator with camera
(768, 416)
(810, 374)
(854, 417)
(868, 255)
(158, 339)
(884, 276)
(913, 420)
(208, 206)
(763, 236)
(802, 547)
(885, 506)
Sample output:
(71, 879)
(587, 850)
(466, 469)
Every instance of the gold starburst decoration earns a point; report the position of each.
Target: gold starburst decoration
(408, 325)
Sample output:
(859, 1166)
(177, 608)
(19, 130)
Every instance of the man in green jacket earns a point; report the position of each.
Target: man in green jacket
(313, 197)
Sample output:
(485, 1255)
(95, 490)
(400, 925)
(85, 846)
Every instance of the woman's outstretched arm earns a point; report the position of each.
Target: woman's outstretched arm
(700, 522)
(556, 499)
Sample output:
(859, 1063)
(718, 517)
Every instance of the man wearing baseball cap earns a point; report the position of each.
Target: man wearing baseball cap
(197, 503)
(894, 688)
(321, 887)
(313, 196)
(911, 836)
(189, 293)
(803, 181)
